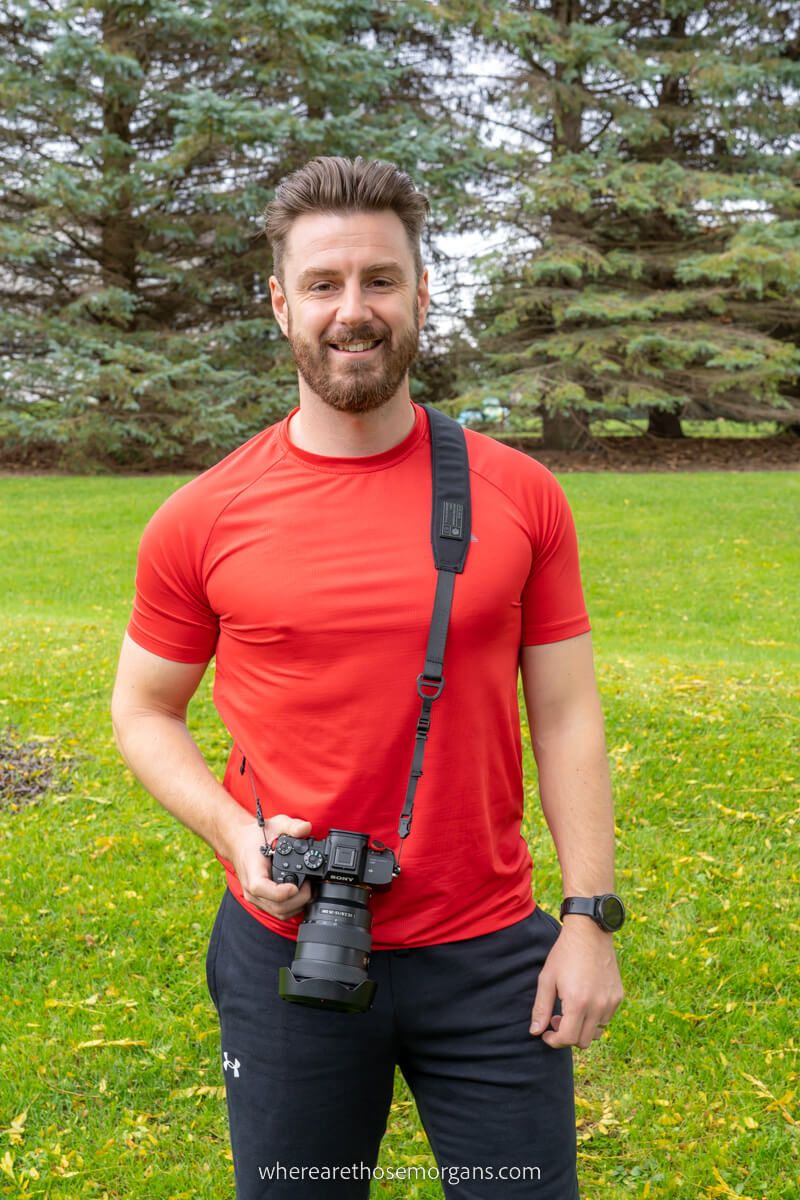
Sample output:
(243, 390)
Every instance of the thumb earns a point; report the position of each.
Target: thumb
(298, 828)
(543, 1003)
(292, 826)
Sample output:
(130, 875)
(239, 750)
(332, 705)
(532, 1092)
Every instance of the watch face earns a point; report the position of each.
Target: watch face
(612, 912)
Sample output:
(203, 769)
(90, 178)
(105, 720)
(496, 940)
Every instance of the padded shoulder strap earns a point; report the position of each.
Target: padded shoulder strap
(451, 514)
(451, 527)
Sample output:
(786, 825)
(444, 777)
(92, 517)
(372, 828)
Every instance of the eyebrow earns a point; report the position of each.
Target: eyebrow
(382, 268)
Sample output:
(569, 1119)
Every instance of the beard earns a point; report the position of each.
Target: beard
(363, 384)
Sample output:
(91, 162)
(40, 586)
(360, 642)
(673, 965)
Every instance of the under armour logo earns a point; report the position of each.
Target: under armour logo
(233, 1063)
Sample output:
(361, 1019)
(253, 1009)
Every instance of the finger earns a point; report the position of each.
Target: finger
(266, 889)
(587, 1031)
(259, 899)
(586, 1035)
(293, 826)
(292, 904)
(567, 1033)
(295, 904)
(270, 897)
(297, 828)
(543, 1003)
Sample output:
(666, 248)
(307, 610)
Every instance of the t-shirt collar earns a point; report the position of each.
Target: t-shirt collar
(355, 464)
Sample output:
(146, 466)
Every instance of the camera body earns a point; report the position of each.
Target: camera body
(342, 856)
(334, 941)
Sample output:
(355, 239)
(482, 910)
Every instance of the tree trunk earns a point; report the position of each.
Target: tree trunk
(119, 233)
(567, 430)
(664, 423)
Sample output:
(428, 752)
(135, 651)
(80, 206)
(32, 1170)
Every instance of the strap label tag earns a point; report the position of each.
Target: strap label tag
(452, 520)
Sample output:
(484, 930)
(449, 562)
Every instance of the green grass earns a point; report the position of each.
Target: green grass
(108, 1041)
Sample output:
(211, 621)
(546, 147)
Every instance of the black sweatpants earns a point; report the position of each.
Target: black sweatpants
(309, 1090)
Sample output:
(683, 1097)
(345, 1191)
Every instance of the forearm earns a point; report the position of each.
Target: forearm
(575, 791)
(166, 760)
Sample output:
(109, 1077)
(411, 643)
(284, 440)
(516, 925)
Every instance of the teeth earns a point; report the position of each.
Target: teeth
(354, 346)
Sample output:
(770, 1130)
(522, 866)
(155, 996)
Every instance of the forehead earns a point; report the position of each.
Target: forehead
(346, 241)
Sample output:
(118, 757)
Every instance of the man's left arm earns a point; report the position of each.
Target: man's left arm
(568, 736)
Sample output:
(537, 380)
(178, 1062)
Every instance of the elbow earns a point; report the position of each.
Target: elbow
(119, 718)
(116, 726)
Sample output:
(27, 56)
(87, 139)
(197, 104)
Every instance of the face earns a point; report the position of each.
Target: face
(351, 308)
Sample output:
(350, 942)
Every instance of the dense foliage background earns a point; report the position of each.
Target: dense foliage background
(632, 168)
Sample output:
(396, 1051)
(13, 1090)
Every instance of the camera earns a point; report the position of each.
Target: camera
(334, 941)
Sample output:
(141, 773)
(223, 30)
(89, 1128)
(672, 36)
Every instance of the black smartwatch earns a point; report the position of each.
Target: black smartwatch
(608, 910)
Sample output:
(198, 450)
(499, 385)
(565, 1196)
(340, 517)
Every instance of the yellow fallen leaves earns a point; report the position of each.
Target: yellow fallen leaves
(216, 1091)
(737, 814)
(604, 1122)
(777, 1103)
(103, 844)
(90, 1045)
(690, 684)
(722, 1188)
(111, 999)
(16, 1130)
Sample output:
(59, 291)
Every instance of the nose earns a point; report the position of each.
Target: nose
(353, 309)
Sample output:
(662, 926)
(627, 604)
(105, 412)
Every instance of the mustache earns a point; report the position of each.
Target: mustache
(367, 335)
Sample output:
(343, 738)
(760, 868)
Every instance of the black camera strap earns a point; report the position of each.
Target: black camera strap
(451, 529)
(259, 814)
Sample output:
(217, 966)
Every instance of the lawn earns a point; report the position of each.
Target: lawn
(110, 1084)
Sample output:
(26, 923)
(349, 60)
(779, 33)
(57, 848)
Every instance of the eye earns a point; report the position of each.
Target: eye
(316, 287)
(387, 282)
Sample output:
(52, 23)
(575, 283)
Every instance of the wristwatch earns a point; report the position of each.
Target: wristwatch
(607, 910)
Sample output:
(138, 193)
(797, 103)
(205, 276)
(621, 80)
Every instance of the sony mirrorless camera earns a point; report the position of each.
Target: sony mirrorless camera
(334, 941)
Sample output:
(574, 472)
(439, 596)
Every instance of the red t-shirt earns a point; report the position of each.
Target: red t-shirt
(312, 580)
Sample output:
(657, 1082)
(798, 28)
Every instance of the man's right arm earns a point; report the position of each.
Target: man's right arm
(148, 709)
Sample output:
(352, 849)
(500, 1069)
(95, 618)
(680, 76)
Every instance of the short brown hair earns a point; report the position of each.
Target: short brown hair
(337, 185)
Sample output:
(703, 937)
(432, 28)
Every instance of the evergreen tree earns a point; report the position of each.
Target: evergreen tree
(139, 143)
(650, 163)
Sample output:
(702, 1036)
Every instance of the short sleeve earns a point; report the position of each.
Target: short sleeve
(553, 606)
(171, 614)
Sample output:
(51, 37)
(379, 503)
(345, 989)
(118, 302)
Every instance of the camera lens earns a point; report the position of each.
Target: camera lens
(333, 948)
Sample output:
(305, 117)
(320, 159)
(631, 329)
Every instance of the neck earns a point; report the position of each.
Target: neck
(320, 429)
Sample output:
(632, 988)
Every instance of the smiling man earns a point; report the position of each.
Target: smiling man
(354, 331)
(303, 562)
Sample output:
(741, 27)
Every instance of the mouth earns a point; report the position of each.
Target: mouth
(355, 349)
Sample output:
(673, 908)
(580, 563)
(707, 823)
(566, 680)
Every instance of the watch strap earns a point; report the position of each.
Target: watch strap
(586, 906)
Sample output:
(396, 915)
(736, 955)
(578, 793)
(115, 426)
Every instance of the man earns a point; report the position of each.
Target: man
(303, 561)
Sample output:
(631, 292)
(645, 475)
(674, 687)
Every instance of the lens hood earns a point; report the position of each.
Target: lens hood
(326, 993)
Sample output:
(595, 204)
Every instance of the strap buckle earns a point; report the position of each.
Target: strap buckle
(424, 681)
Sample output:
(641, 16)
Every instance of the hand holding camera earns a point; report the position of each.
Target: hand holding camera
(281, 899)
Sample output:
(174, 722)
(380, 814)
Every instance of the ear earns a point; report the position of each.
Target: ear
(280, 305)
(423, 297)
